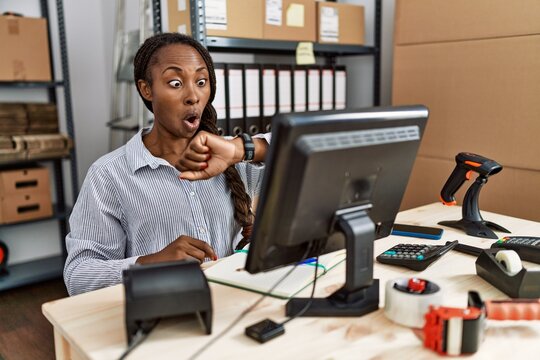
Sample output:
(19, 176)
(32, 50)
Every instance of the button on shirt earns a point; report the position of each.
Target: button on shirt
(133, 203)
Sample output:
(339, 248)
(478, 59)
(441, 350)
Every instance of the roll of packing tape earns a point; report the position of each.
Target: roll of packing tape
(407, 300)
(510, 260)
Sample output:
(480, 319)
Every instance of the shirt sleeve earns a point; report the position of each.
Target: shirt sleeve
(96, 244)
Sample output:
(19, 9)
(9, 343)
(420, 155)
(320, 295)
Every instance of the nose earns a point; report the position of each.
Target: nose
(191, 97)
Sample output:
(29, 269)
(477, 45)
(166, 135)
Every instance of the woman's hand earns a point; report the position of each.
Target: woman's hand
(208, 155)
(184, 247)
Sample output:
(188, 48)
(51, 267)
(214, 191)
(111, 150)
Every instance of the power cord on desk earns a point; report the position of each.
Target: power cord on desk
(249, 309)
(138, 338)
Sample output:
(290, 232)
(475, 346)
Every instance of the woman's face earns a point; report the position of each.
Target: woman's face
(179, 91)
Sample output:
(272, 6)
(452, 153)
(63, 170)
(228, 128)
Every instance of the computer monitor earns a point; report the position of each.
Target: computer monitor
(334, 180)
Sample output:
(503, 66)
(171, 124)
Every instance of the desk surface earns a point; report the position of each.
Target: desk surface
(92, 325)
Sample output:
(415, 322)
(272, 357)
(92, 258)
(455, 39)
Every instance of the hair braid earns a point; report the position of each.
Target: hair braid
(142, 62)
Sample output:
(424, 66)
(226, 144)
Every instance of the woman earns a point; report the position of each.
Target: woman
(139, 203)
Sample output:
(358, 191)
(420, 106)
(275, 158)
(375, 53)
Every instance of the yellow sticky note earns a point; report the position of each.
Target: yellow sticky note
(304, 53)
(295, 15)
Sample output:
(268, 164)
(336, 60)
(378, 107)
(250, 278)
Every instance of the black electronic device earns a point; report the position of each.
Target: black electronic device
(161, 290)
(527, 247)
(424, 232)
(471, 222)
(415, 256)
(265, 330)
(334, 180)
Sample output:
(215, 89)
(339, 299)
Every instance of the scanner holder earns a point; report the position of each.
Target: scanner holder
(472, 222)
(162, 290)
(525, 284)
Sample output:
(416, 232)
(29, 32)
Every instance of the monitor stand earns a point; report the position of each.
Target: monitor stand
(360, 294)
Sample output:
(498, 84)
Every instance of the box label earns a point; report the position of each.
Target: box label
(273, 12)
(329, 24)
(182, 5)
(216, 14)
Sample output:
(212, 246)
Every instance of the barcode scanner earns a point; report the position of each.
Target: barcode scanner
(472, 222)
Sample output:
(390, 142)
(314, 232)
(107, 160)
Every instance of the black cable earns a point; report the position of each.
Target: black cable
(138, 338)
(306, 307)
(246, 311)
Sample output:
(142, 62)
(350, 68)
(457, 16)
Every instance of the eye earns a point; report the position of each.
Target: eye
(201, 82)
(175, 83)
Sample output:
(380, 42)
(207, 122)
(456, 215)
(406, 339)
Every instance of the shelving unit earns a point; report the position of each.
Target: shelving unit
(273, 47)
(48, 267)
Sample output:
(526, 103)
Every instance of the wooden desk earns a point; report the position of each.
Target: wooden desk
(92, 325)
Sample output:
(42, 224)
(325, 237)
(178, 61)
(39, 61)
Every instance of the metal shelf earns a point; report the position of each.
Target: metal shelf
(27, 162)
(32, 272)
(31, 84)
(58, 214)
(237, 45)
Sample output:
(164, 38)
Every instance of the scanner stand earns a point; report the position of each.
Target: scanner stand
(360, 294)
(162, 290)
(525, 284)
(472, 222)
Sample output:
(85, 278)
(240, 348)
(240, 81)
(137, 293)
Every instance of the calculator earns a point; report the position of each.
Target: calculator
(415, 256)
(527, 247)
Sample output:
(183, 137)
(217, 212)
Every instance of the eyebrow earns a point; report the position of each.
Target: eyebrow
(177, 69)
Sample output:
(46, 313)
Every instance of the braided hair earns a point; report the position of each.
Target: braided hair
(143, 61)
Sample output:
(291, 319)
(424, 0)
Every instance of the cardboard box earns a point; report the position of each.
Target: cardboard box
(482, 96)
(227, 18)
(512, 191)
(18, 208)
(13, 119)
(46, 145)
(42, 118)
(340, 23)
(295, 22)
(24, 46)
(427, 21)
(11, 149)
(474, 64)
(24, 182)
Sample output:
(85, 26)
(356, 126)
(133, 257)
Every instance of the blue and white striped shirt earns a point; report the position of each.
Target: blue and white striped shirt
(132, 204)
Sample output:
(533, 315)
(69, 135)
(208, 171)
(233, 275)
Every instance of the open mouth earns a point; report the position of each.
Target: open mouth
(192, 120)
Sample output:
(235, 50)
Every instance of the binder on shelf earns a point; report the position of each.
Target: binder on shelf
(253, 86)
(220, 102)
(314, 88)
(327, 87)
(340, 86)
(300, 88)
(284, 82)
(269, 95)
(236, 99)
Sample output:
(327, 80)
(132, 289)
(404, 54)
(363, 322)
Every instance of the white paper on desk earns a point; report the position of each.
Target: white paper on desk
(219, 99)
(284, 91)
(300, 90)
(216, 14)
(314, 101)
(230, 271)
(269, 92)
(253, 105)
(236, 88)
(341, 89)
(327, 89)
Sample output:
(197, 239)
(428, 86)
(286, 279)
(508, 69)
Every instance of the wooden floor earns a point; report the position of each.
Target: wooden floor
(24, 332)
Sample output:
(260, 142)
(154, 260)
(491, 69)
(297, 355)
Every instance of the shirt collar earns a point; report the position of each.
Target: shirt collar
(137, 154)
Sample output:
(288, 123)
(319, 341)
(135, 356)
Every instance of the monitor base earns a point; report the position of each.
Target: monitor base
(359, 303)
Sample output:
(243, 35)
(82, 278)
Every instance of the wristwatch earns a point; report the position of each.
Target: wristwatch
(249, 147)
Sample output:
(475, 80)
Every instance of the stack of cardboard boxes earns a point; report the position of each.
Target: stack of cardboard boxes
(476, 65)
(292, 20)
(24, 195)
